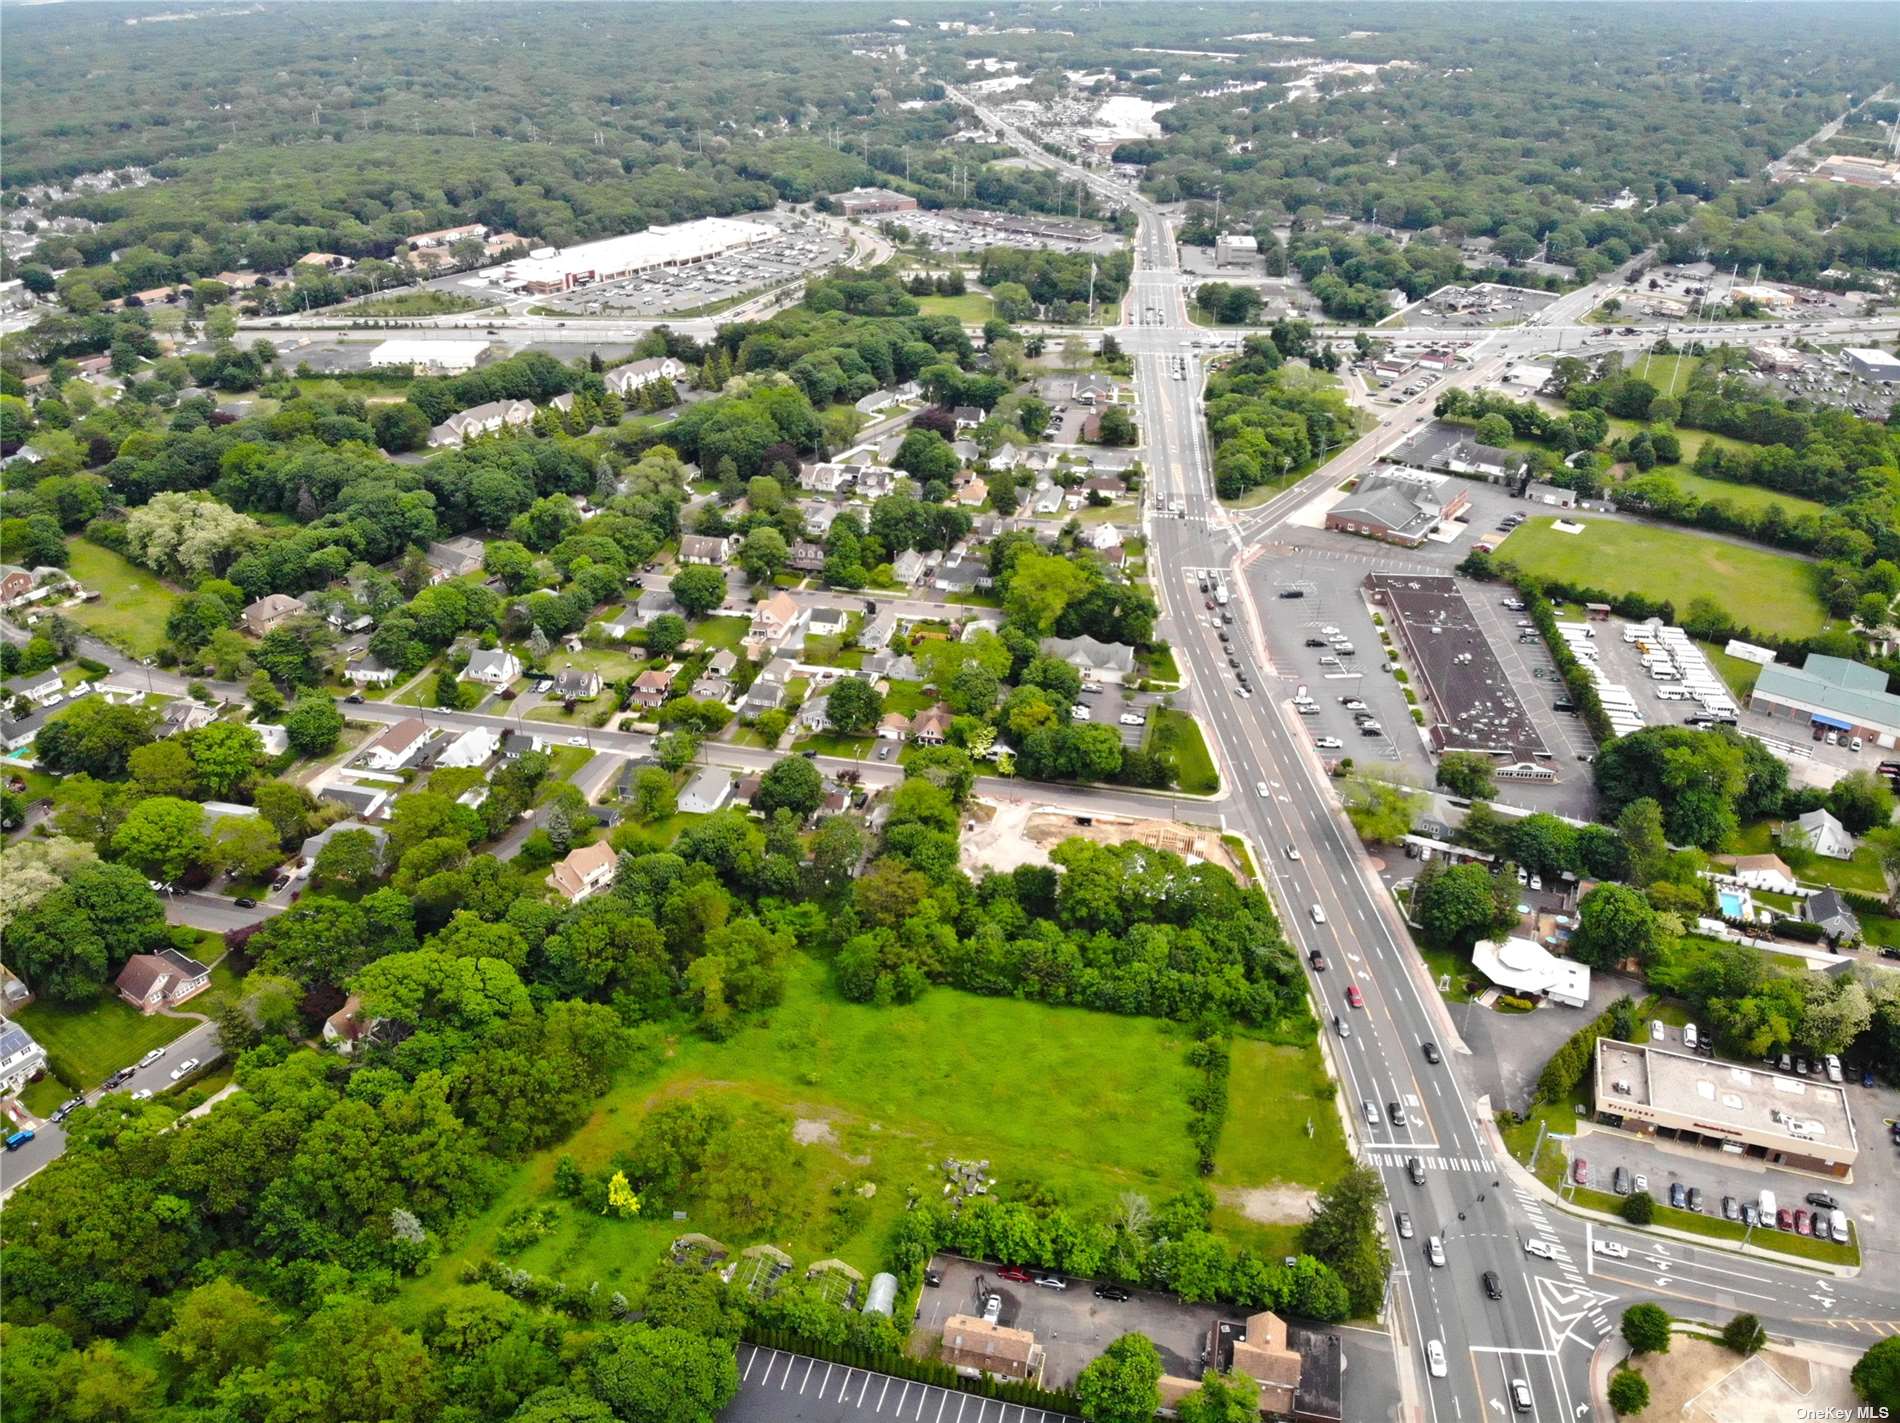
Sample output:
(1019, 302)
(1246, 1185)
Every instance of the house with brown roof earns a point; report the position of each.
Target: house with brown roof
(150, 982)
(650, 687)
(270, 612)
(1263, 1355)
(1768, 872)
(396, 745)
(894, 727)
(931, 725)
(975, 1346)
(585, 871)
(774, 622)
(348, 1026)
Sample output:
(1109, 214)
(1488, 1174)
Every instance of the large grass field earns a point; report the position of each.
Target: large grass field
(1768, 592)
(1179, 735)
(1276, 1092)
(1085, 1105)
(133, 602)
(1659, 371)
(1748, 498)
(87, 1043)
(972, 308)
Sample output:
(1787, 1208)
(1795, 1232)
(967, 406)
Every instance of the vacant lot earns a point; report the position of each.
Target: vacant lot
(1176, 734)
(86, 1043)
(1084, 1105)
(1768, 592)
(1748, 498)
(972, 308)
(133, 602)
(1268, 1166)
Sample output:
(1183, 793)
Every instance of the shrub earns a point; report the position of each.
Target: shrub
(1646, 1327)
(1639, 1209)
(1629, 1391)
(1744, 1334)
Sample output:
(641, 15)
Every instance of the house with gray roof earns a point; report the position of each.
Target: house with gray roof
(1398, 506)
(1835, 916)
(1097, 661)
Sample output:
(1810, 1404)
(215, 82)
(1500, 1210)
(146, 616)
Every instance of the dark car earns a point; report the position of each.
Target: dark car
(1317, 959)
(933, 1278)
(1396, 1112)
(1316, 642)
(354, 698)
(1677, 1196)
(1695, 1198)
(1431, 1052)
(244, 901)
(1015, 1274)
(1823, 1200)
(280, 882)
(1113, 1292)
(1493, 1287)
(67, 1108)
(1415, 1169)
(1292, 593)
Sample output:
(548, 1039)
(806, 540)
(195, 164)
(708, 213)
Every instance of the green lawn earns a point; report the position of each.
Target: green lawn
(908, 698)
(421, 692)
(1276, 1093)
(1090, 1105)
(830, 743)
(133, 602)
(1659, 371)
(564, 762)
(1738, 672)
(417, 303)
(1178, 734)
(86, 1043)
(972, 308)
(1861, 873)
(1160, 667)
(715, 633)
(1769, 592)
(1746, 498)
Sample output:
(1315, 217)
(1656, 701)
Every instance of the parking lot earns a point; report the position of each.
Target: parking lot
(777, 1387)
(1107, 704)
(1479, 306)
(973, 230)
(1071, 1324)
(1826, 379)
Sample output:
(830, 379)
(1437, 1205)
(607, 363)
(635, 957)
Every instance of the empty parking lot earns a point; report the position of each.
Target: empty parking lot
(775, 1386)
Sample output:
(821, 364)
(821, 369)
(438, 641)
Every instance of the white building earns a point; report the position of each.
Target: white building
(471, 748)
(706, 792)
(20, 1057)
(683, 244)
(1871, 364)
(485, 419)
(1528, 969)
(624, 380)
(493, 667)
(1825, 835)
(434, 358)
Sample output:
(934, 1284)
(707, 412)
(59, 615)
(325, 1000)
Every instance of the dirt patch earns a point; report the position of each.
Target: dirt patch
(1704, 1383)
(1271, 1205)
(1012, 833)
(813, 1131)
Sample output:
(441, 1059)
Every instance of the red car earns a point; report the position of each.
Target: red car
(1784, 1219)
(1210, 604)
(1014, 1274)
(1354, 996)
(1581, 1172)
(1801, 1223)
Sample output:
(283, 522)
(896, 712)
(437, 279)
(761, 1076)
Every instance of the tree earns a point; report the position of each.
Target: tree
(1221, 1398)
(244, 846)
(1615, 924)
(664, 634)
(1860, 800)
(95, 737)
(853, 706)
(1381, 811)
(1122, 1384)
(400, 427)
(1117, 426)
(1466, 773)
(448, 689)
(1876, 1376)
(224, 757)
(1495, 430)
(653, 795)
(349, 860)
(1344, 1233)
(1640, 827)
(926, 456)
(1638, 1209)
(1744, 1335)
(218, 1327)
(102, 913)
(162, 836)
(648, 1374)
(794, 783)
(1455, 905)
(699, 589)
(763, 554)
(163, 768)
(1646, 1328)
(1629, 1391)
(312, 725)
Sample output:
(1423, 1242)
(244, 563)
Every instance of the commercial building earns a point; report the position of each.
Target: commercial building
(1775, 359)
(429, 358)
(1833, 694)
(868, 202)
(1860, 172)
(1238, 247)
(1400, 506)
(1784, 1120)
(683, 244)
(1528, 969)
(974, 1346)
(1870, 363)
(1762, 296)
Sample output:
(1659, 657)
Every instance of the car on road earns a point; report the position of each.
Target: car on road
(1435, 1251)
(1210, 604)
(1395, 1112)
(185, 1068)
(355, 699)
(244, 901)
(67, 1108)
(1415, 1169)
(123, 1075)
(1611, 1249)
(281, 882)
(1052, 1282)
(1580, 1172)
(1404, 1219)
(1341, 1026)
(1372, 1113)
(1316, 642)
(144, 1094)
(1540, 1248)
(1015, 1274)
(1114, 1293)
(1430, 1049)
(1319, 915)
(1435, 1359)
(1521, 1396)
(151, 1057)
(18, 1139)
(1293, 852)
(577, 741)
(1354, 996)
(1328, 743)
(1493, 1286)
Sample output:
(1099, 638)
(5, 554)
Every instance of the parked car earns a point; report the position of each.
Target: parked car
(66, 1108)
(185, 1068)
(1677, 1196)
(1695, 1198)
(244, 901)
(1784, 1219)
(1014, 1273)
(144, 1094)
(1328, 743)
(1113, 1293)
(1052, 1282)
(151, 1057)
(18, 1139)
(1620, 1181)
(1801, 1221)
(1580, 1172)
(1823, 1200)
(933, 1278)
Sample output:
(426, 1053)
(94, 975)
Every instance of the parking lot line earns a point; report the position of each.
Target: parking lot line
(940, 1407)
(864, 1389)
(807, 1379)
(902, 1398)
(844, 1387)
(879, 1408)
(825, 1382)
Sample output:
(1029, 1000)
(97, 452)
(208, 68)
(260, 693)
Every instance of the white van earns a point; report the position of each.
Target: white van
(1767, 1207)
(1688, 1035)
(1837, 1225)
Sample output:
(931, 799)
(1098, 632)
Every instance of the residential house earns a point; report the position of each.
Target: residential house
(165, 979)
(968, 417)
(313, 845)
(1096, 661)
(710, 687)
(971, 492)
(624, 380)
(1049, 500)
(1093, 389)
(827, 477)
(875, 481)
(366, 669)
(485, 419)
(16, 732)
(1837, 919)
(714, 551)
(820, 515)
(274, 739)
(651, 687)
(471, 748)
(908, 567)
(876, 632)
(363, 802)
(492, 667)
(964, 575)
(708, 791)
(21, 1058)
(585, 871)
(564, 403)
(973, 1345)
(43, 690)
(270, 612)
(576, 684)
(806, 557)
(1825, 835)
(768, 688)
(517, 744)
(1100, 536)
(455, 558)
(182, 715)
(965, 451)
(931, 725)
(723, 663)
(896, 666)
(1767, 872)
(348, 1026)
(28, 585)
(1540, 493)
(811, 716)
(654, 602)
(827, 622)
(894, 726)
(397, 745)
(774, 622)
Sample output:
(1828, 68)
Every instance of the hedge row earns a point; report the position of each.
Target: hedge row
(1207, 1099)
